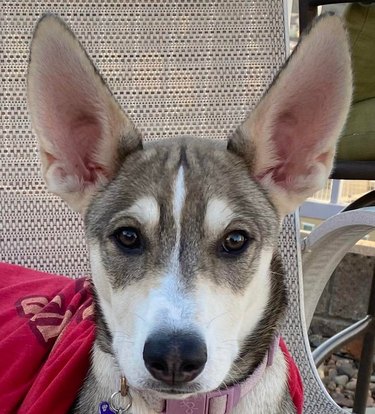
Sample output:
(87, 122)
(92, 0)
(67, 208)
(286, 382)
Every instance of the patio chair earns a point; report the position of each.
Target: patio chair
(177, 67)
(326, 246)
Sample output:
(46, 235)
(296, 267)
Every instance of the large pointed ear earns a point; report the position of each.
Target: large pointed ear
(289, 139)
(83, 133)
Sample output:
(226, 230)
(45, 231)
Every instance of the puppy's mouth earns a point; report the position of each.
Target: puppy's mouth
(167, 391)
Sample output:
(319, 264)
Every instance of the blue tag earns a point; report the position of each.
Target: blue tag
(104, 408)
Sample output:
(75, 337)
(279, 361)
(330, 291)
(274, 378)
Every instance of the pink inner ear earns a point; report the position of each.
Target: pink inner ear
(297, 123)
(75, 139)
(86, 131)
(74, 128)
(298, 137)
(288, 148)
(70, 114)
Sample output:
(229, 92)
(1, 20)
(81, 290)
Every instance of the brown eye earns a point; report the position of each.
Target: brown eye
(235, 242)
(127, 238)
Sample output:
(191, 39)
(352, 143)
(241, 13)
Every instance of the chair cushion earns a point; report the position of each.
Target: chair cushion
(358, 138)
(360, 21)
(357, 142)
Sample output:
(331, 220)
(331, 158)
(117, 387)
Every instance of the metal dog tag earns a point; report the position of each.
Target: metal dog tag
(113, 406)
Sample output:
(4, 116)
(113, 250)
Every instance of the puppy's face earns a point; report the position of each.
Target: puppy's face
(182, 232)
(181, 242)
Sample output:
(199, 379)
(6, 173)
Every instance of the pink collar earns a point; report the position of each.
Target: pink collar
(221, 401)
(214, 402)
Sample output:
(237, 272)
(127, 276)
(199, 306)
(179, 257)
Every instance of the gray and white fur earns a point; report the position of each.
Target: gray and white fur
(183, 233)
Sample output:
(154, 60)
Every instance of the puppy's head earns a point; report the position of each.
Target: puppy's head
(182, 232)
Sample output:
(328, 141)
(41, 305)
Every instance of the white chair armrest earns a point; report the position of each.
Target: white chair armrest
(324, 248)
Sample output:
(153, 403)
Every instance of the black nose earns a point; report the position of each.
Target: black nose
(175, 358)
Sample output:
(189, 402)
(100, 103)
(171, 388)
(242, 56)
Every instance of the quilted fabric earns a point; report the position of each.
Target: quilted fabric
(47, 331)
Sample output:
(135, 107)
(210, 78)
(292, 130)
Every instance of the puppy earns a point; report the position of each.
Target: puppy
(182, 233)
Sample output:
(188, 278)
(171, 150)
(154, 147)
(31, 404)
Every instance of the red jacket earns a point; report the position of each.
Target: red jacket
(47, 331)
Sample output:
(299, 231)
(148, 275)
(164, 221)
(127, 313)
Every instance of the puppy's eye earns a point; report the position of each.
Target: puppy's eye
(235, 242)
(127, 238)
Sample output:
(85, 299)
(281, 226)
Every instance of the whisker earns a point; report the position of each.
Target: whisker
(216, 317)
(138, 316)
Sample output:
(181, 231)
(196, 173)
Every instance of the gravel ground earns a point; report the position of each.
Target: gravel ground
(339, 375)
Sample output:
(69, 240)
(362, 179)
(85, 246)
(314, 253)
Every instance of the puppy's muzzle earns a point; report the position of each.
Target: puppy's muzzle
(175, 358)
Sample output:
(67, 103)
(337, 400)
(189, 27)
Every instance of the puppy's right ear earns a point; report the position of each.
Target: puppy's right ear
(289, 140)
(82, 131)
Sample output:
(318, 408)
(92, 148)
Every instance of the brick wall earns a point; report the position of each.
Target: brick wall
(346, 296)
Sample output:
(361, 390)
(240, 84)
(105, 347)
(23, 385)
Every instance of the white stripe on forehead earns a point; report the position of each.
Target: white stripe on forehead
(169, 305)
(218, 215)
(146, 210)
(179, 194)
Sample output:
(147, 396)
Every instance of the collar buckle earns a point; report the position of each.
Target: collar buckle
(223, 401)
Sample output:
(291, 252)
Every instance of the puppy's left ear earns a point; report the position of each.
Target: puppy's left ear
(289, 139)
